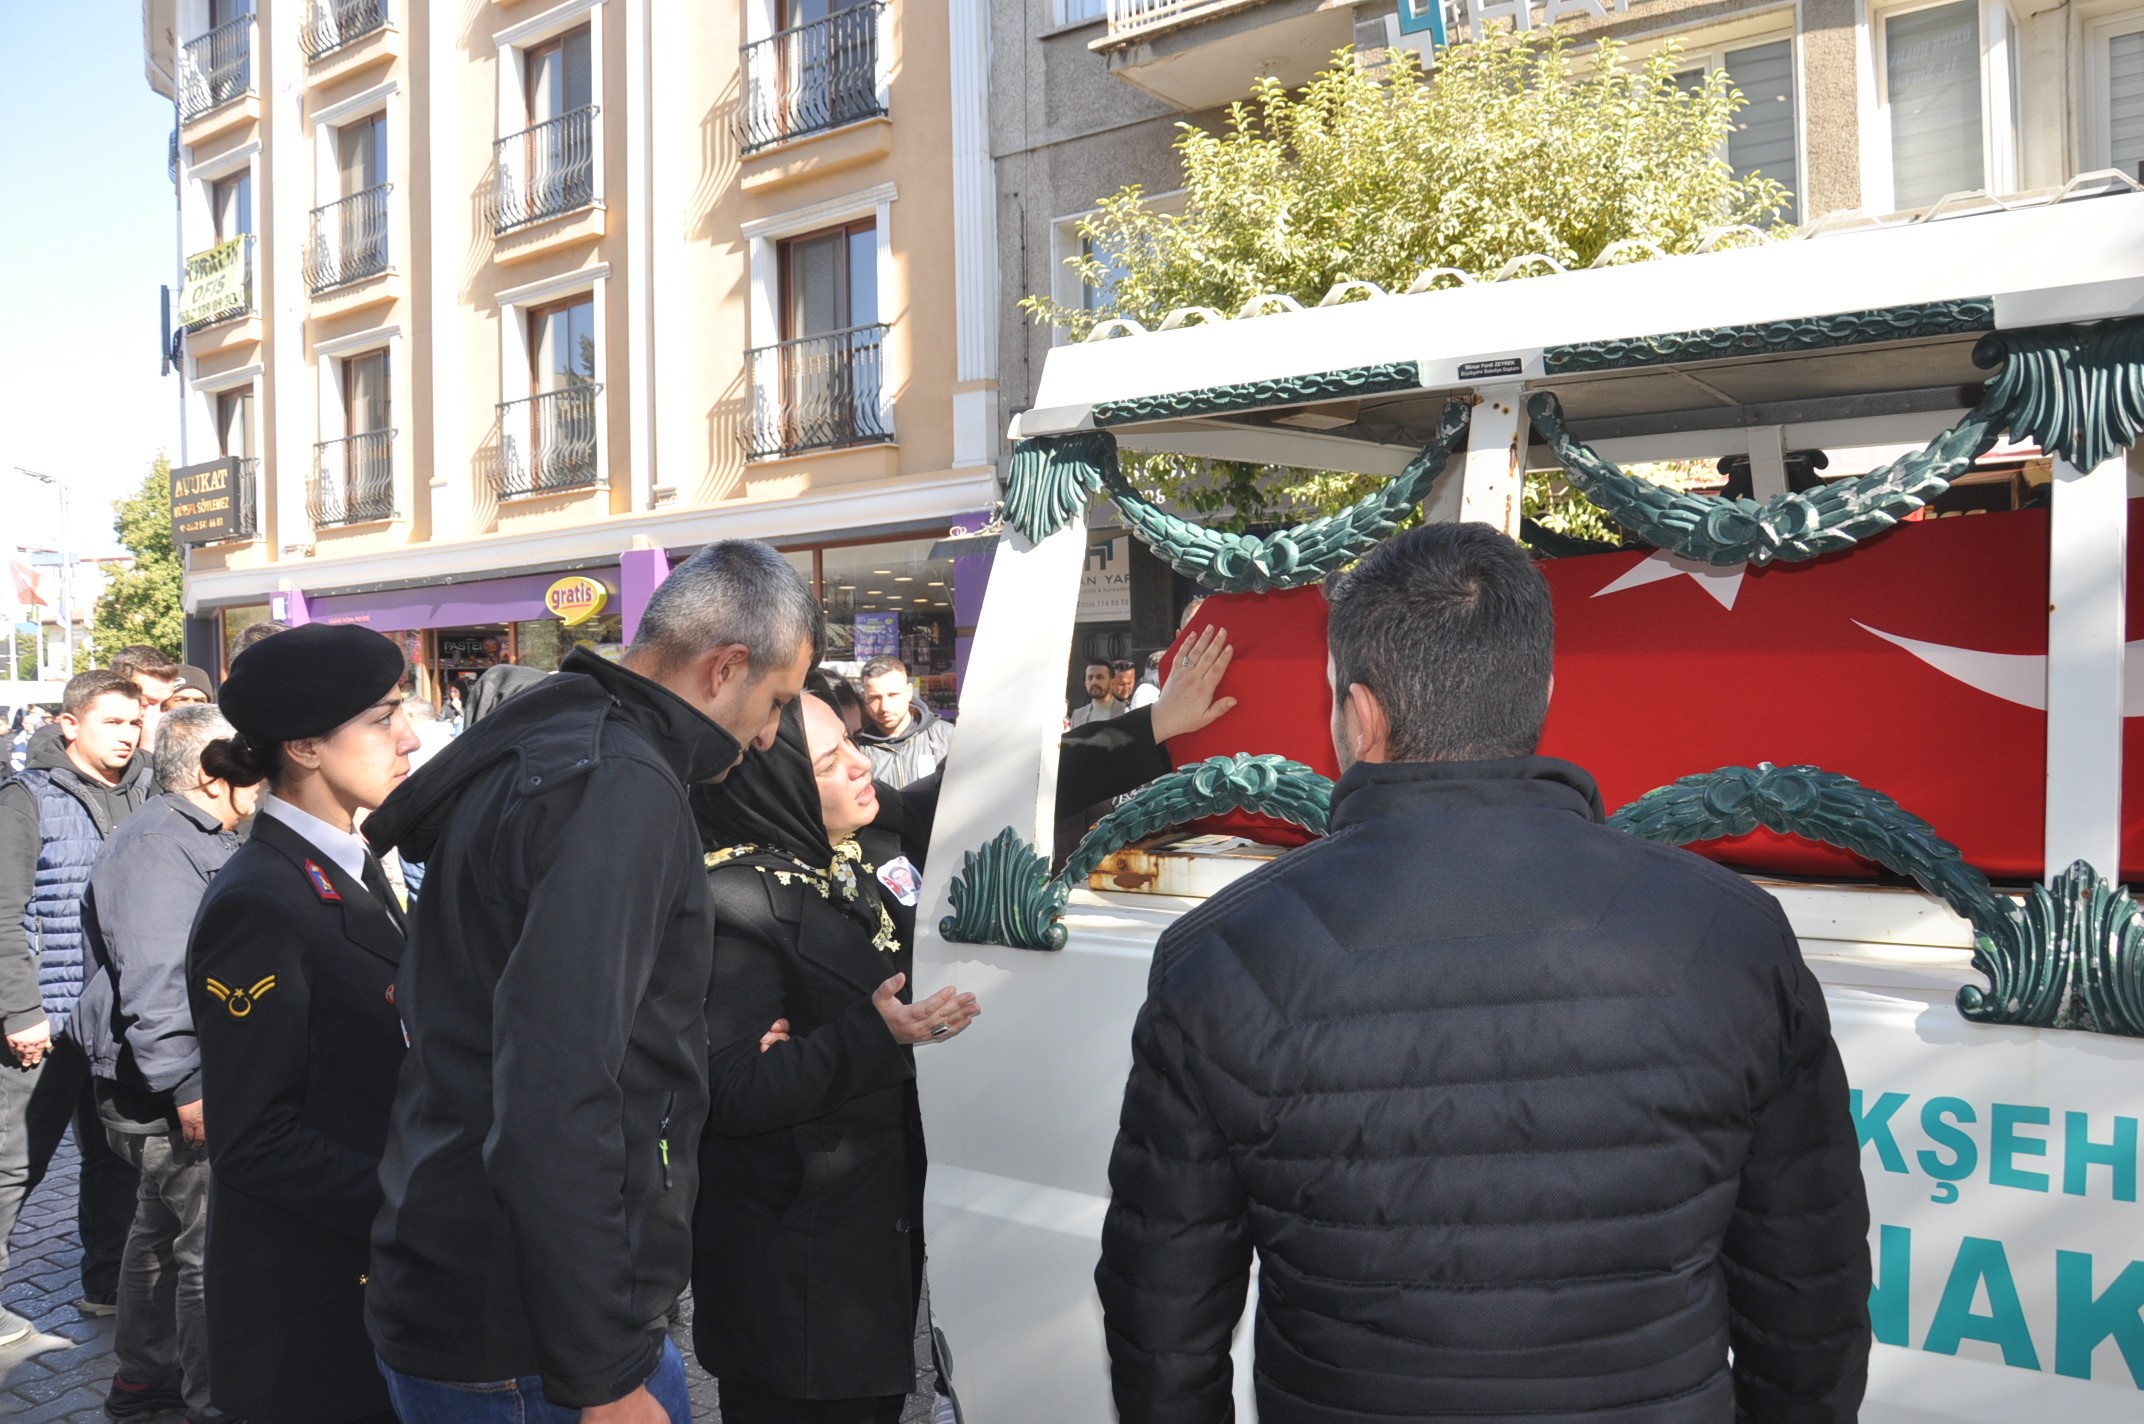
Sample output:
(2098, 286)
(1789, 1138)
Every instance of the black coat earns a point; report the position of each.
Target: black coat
(1524, 1118)
(808, 1241)
(539, 1175)
(291, 971)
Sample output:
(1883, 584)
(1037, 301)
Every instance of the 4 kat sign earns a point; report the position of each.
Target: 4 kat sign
(1438, 18)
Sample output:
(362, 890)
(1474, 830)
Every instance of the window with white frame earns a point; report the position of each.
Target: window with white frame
(353, 468)
(549, 157)
(551, 430)
(1079, 12)
(1067, 243)
(2113, 129)
(1946, 85)
(1766, 138)
(816, 363)
(349, 238)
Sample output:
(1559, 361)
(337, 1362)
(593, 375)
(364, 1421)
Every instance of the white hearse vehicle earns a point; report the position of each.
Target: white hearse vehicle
(1992, 1025)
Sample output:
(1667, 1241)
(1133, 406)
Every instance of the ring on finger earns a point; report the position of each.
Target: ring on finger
(940, 1030)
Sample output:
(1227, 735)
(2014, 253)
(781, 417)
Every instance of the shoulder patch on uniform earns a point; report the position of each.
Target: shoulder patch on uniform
(239, 1002)
(322, 886)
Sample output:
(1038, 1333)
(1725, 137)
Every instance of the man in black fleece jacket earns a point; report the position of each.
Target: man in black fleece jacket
(541, 1161)
(1525, 1120)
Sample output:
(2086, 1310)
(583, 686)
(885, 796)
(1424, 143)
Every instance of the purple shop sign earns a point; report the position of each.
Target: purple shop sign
(878, 635)
(446, 605)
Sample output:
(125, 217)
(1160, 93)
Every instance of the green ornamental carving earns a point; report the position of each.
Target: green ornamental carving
(1004, 893)
(2077, 390)
(2070, 956)
(1262, 395)
(1052, 475)
(1787, 527)
(1049, 479)
(1816, 333)
(2074, 960)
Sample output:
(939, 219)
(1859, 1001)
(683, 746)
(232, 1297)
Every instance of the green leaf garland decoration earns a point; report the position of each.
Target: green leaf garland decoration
(1004, 893)
(1787, 527)
(2069, 956)
(1052, 475)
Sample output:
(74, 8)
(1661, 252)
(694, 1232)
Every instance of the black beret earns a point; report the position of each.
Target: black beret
(308, 681)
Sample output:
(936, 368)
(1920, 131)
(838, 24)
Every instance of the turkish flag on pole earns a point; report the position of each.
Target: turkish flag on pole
(29, 584)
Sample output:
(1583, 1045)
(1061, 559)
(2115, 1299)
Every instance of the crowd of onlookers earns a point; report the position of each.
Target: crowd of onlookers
(108, 835)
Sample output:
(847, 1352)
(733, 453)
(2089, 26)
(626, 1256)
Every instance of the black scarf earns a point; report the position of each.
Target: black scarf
(767, 811)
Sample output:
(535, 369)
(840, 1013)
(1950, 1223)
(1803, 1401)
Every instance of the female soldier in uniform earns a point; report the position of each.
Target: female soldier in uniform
(808, 1238)
(291, 973)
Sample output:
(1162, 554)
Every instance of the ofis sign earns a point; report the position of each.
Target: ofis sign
(575, 599)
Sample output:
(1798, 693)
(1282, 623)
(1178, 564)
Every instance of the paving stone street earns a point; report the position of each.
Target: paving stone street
(61, 1371)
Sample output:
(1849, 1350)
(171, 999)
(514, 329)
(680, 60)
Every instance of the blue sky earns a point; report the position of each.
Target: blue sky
(84, 246)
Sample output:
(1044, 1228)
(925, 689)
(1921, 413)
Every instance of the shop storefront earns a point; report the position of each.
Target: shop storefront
(453, 632)
(893, 599)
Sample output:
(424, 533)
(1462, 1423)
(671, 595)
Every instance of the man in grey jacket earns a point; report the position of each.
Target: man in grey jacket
(904, 739)
(134, 1020)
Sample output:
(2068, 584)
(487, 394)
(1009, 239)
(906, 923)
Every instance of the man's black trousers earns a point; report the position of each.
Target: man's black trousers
(36, 1104)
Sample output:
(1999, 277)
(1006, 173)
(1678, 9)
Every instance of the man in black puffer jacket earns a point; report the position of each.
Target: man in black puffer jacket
(1525, 1120)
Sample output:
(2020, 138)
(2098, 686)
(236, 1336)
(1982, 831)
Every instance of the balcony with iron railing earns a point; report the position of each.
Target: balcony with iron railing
(818, 393)
(812, 77)
(216, 69)
(353, 480)
(332, 25)
(246, 523)
(349, 241)
(547, 442)
(544, 171)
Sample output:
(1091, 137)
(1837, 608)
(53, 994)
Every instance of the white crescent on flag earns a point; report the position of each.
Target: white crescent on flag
(2014, 677)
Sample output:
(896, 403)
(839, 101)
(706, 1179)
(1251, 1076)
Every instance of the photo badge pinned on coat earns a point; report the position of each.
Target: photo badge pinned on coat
(901, 881)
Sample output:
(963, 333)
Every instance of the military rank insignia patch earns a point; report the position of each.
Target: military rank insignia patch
(322, 886)
(240, 1002)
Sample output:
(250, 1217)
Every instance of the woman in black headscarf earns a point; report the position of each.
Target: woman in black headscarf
(808, 1238)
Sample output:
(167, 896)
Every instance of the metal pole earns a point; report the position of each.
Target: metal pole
(66, 578)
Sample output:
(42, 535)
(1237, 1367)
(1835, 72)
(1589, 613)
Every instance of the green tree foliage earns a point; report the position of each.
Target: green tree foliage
(1374, 173)
(141, 604)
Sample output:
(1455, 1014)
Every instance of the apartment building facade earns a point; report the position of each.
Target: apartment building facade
(494, 311)
(1880, 106)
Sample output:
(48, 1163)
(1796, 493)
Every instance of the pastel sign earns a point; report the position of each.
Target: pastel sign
(575, 599)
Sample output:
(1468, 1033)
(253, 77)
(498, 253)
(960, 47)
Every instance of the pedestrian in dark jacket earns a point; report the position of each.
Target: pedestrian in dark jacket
(82, 781)
(1522, 1118)
(808, 1241)
(135, 1022)
(543, 1163)
(903, 738)
(290, 977)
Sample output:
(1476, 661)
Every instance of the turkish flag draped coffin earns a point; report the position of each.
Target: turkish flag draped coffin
(1282, 702)
(1915, 664)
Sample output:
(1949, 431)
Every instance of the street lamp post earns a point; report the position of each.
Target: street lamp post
(66, 565)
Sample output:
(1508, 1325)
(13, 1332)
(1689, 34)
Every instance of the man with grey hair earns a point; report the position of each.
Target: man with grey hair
(540, 1166)
(135, 1023)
